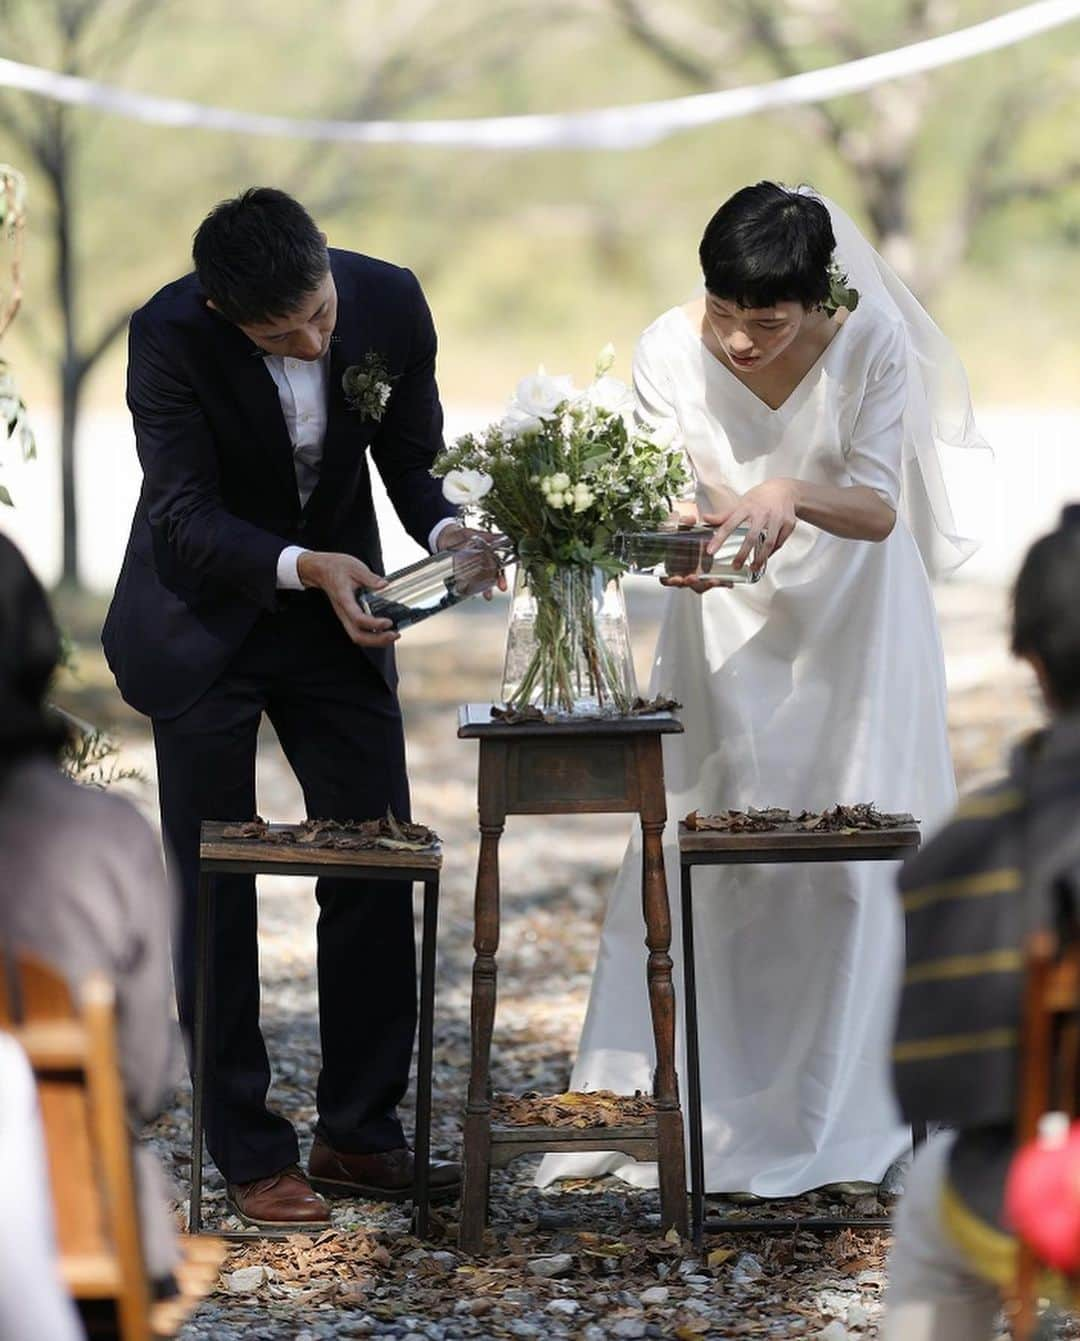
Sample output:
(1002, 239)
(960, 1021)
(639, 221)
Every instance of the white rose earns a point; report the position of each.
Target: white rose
(582, 500)
(541, 395)
(560, 483)
(516, 422)
(463, 487)
(555, 500)
(608, 393)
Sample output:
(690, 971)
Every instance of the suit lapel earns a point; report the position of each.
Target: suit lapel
(258, 396)
(347, 434)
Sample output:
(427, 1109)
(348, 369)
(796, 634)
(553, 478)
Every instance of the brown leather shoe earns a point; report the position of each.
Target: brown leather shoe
(285, 1200)
(386, 1175)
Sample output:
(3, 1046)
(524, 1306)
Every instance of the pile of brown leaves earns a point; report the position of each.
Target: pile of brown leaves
(840, 819)
(335, 1267)
(597, 1108)
(350, 836)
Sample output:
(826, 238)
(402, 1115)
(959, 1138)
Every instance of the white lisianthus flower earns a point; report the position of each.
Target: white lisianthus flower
(517, 421)
(608, 393)
(583, 499)
(560, 483)
(540, 395)
(463, 487)
(555, 500)
(605, 360)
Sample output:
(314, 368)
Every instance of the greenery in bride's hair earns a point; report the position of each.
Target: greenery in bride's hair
(840, 292)
(565, 470)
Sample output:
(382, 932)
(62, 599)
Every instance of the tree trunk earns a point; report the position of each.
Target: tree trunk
(70, 390)
(71, 370)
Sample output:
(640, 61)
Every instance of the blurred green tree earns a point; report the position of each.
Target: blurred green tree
(78, 37)
(386, 60)
(884, 136)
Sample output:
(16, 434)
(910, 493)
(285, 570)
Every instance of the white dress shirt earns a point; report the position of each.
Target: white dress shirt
(301, 385)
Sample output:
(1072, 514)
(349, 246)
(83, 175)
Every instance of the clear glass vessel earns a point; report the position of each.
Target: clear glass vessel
(438, 583)
(568, 643)
(681, 551)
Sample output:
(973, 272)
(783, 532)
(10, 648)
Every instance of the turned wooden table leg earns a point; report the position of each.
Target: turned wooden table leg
(476, 1173)
(670, 1138)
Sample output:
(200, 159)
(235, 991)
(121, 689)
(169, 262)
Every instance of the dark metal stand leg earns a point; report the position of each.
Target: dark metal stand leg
(203, 914)
(693, 1061)
(424, 1060)
(476, 1145)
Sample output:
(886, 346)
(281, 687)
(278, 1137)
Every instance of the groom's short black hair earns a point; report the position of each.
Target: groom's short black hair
(766, 245)
(259, 255)
(1046, 613)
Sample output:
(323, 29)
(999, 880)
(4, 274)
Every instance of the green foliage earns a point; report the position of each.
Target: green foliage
(89, 757)
(568, 471)
(13, 421)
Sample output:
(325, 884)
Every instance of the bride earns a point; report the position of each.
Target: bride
(822, 430)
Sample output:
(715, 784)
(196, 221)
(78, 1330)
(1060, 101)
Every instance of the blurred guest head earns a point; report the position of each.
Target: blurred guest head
(1046, 612)
(29, 652)
(765, 257)
(264, 265)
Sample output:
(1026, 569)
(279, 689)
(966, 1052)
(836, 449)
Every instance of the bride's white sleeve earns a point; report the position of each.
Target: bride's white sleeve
(654, 404)
(874, 452)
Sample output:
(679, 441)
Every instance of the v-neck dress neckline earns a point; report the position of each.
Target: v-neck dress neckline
(798, 392)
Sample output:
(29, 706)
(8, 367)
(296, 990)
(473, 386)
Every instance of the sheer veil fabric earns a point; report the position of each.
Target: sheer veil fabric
(938, 419)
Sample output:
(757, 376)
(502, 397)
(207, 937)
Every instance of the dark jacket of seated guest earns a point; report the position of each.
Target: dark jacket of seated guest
(82, 884)
(1009, 862)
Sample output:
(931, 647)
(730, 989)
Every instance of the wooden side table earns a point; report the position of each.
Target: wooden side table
(254, 856)
(790, 843)
(570, 767)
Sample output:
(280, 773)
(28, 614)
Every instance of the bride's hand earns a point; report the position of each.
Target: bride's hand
(768, 513)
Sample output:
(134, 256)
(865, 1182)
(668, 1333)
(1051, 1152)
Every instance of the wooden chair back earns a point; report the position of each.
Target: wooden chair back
(72, 1050)
(1049, 1074)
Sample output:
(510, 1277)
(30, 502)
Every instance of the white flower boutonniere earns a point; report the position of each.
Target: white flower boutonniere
(367, 386)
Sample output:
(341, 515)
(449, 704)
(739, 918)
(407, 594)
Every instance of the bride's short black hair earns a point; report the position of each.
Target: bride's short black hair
(259, 256)
(1046, 613)
(768, 244)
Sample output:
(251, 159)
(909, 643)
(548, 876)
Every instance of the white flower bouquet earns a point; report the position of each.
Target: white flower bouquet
(561, 474)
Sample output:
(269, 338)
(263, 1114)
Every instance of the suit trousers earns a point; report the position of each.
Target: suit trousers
(340, 727)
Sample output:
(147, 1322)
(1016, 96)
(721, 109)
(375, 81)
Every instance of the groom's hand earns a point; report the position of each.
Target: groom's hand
(339, 575)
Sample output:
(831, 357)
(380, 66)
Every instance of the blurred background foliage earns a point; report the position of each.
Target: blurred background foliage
(968, 177)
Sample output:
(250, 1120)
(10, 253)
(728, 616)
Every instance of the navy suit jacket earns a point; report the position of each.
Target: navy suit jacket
(219, 500)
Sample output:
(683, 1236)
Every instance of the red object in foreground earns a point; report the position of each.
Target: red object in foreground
(1042, 1193)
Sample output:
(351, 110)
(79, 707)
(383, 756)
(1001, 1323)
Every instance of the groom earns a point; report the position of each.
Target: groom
(237, 597)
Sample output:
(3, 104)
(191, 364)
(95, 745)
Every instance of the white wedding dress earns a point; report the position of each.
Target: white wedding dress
(822, 683)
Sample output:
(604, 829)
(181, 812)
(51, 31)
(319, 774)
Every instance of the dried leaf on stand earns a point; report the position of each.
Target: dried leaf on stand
(848, 819)
(840, 819)
(643, 706)
(739, 821)
(347, 836)
(595, 1108)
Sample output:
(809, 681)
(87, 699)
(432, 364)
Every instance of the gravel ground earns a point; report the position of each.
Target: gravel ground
(609, 1276)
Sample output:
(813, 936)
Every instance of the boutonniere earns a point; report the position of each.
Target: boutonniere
(367, 386)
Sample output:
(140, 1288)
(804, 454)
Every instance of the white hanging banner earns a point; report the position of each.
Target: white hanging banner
(605, 128)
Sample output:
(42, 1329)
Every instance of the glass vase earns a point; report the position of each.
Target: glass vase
(568, 643)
